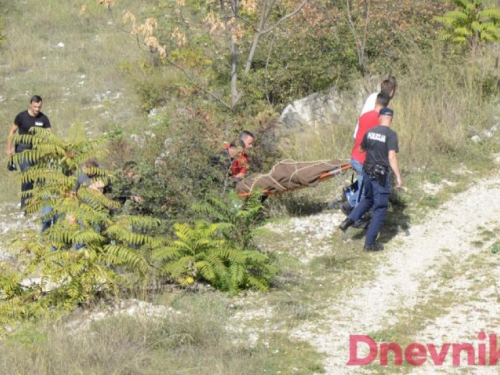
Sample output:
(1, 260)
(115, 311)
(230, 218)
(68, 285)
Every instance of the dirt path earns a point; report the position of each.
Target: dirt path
(410, 282)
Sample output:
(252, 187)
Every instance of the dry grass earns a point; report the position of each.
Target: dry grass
(439, 104)
(194, 341)
(435, 110)
(90, 83)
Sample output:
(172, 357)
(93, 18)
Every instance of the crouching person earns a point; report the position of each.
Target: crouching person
(233, 159)
(381, 146)
(90, 179)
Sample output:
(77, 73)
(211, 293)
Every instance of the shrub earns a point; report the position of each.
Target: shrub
(240, 217)
(91, 249)
(78, 258)
(201, 253)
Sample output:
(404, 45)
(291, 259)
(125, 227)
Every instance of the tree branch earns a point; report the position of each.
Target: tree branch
(297, 10)
(228, 106)
(263, 20)
(354, 33)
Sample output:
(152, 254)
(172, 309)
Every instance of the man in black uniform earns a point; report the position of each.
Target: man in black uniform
(381, 145)
(23, 122)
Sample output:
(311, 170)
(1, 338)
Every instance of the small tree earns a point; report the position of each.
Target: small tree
(471, 24)
(228, 27)
(77, 259)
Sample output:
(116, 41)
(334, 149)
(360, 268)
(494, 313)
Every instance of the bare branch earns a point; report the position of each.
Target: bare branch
(265, 17)
(353, 30)
(284, 18)
(263, 20)
(360, 43)
(228, 106)
(246, 22)
(267, 62)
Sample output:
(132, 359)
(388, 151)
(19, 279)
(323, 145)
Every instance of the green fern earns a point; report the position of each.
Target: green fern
(237, 218)
(470, 24)
(202, 253)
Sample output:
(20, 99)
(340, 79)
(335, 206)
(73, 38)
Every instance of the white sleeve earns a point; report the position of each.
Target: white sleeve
(369, 106)
(370, 103)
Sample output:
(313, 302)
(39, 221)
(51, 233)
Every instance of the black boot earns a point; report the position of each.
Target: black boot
(346, 224)
(373, 247)
(346, 208)
(362, 224)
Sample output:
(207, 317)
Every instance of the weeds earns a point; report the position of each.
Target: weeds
(194, 340)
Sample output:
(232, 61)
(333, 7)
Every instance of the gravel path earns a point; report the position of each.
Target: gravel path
(400, 280)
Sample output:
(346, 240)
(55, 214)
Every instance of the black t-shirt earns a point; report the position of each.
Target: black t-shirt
(377, 142)
(25, 122)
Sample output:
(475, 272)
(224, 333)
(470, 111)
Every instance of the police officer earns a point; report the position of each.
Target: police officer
(381, 146)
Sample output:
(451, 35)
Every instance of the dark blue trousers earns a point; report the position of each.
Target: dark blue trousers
(376, 196)
(27, 185)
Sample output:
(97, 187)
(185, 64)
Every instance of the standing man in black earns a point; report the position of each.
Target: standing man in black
(24, 121)
(381, 146)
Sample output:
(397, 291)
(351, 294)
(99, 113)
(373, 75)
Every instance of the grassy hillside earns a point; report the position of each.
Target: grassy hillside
(95, 78)
(80, 65)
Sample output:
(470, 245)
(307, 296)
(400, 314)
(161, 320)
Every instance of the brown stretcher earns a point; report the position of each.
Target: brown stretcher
(290, 175)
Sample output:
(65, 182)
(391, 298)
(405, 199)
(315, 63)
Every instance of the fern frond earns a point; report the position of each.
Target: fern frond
(444, 36)
(205, 270)
(237, 272)
(233, 255)
(476, 26)
(143, 222)
(163, 254)
(95, 198)
(256, 256)
(461, 3)
(180, 267)
(490, 14)
(208, 210)
(258, 283)
(120, 255)
(462, 31)
(218, 265)
(455, 16)
(87, 236)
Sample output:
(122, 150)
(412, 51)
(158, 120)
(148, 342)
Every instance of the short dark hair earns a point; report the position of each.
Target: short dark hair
(245, 134)
(389, 85)
(89, 165)
(383, 99)
(36, 99)
(91, 162)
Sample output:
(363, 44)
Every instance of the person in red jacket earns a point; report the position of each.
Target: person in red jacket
(237, 153)
(234, 158)
(367, 121)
